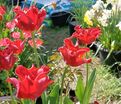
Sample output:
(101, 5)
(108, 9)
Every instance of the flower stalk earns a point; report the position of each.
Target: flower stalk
(35, 51)
(33, 101)
(87, 73)
(18, 2)
(10, 89)
(62, 85)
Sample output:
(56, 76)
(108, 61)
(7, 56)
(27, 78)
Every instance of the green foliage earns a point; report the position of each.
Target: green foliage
(54, 95)
(79, 7)
(27, 57)
(67, 101)
(89, 88)
(44, 98)
(111, 33)
(80, 89)
(8, 16)
(3, 84)
(84, 93)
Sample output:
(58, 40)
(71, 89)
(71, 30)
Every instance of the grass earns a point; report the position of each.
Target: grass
(107, 87)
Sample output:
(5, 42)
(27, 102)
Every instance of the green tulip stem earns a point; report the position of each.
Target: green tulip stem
(87, 78)
(33, 2)
(12, 3)
(17, 2)
(62, 85)
(33, 101)
(10, 89)
(35, 51)
(87, 73)
(22, 101)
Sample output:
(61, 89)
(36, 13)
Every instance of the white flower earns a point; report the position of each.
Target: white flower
(106, 15)
(90, 13)
(99, 5)
(119, 25)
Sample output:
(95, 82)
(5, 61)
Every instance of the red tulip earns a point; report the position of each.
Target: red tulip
(72, 54)
(86, 36)
(8, 51)
(5, 42)
(29, 19)
(2, 12)
(15, 35)
(38, 43)
(7, 59)
(32, 82)
(27, 35)
(16, 46)
(11, 25)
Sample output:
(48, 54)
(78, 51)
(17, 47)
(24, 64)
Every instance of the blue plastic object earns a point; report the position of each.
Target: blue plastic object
(61, 5)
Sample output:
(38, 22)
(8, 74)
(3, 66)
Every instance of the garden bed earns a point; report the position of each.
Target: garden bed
(44, 63)
(107, 87)
(104, 91)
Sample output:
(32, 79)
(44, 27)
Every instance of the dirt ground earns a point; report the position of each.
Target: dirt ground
(53, 37)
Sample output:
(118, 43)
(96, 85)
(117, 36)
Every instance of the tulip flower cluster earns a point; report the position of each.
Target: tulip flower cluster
(2, 12)
(74, 55)
(32, 82)
(9, 52)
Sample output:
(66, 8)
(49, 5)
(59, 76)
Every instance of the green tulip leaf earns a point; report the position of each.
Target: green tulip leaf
(44, 98)
(54, 95)
(80, 89)
(89, 87)
(67, 101)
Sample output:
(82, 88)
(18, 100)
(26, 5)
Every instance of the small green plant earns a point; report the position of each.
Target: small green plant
(79, 7)
(107, 17)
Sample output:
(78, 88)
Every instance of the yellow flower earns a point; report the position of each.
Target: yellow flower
(54, 5)
(87, 20)
(54, 56)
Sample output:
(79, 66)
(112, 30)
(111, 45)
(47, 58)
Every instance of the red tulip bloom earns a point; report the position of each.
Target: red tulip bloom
(11, 25)
(16, 46)
(32, 82)
(7, 59)
(27, 35)
(2, 12)
(38, 43)
(5, 42)
(15, 35)
(72, 54)
(86, 36)
(8, 51)
(29, 19)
